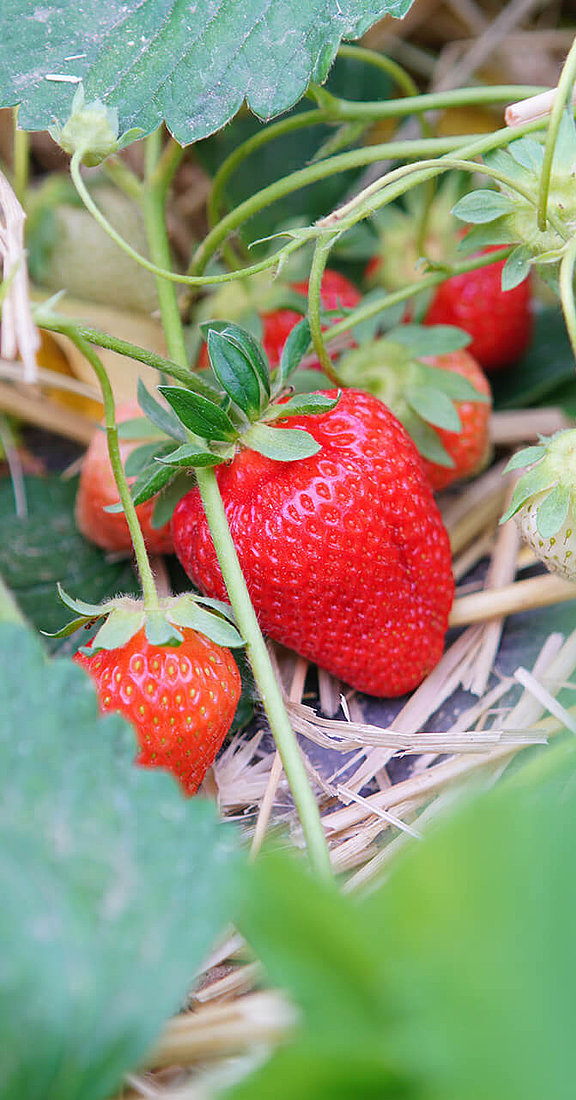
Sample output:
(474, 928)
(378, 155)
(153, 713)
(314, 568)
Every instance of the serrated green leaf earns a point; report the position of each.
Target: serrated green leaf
(427, 440)
(482, 206)
(187, 612)
(188, 455)
(302, 405)
(281, 444)
(200, 415)
(168, 498)
(434, 406)
(91, 846)
(455, 385)
(517, 268)
(293, 352)
(424, 340)
(162, 417)
(265, 54)
(236, 373)
(525, 457)
(528, 153)
(553, 511)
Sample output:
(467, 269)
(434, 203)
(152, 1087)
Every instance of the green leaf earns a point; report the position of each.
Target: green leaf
(553, 511)
(544, 368)
(200, 415)
(159, 631)
(149, 482)
(455, 385)
(139, 459)
(168, 498)
(235, 372)
(120, 626)
(482, 206)
(537, 480)
(293, 352)
(434, 406)
(187, 612)
(252, 349)
(528, 153)
(189, 455)
(91, 848)
(139, 427)
(526, 457)
(482, 236)
(517, 268)
(162, 417)
(45, 547)
(265, 54)
(281, 444)
(427, 440)
(430, 339)
(307, 404)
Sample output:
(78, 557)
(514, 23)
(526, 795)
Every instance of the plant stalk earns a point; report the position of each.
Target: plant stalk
(561, 98)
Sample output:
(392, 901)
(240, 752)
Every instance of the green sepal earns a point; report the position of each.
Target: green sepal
(426, 439)
(121, 625)
(168, 498)
(160, 631)
(189, 455)
(141, 457)
(553, 511)
(186, 612)
(528, 154)
(162, 417)
(501, 160)
(139, 427)
(250, 347)
(433, 406)
(293, 352)
(482, 206)
(306, 404)
(152, 479)
(526, 457)
(517, 268)
(86, 610)
(199, 415)
(280, 444)
(70, 628)
(530, 484)
(484, 236)
(456, 386)
(236, 373)
(429, 339)
(565, 148)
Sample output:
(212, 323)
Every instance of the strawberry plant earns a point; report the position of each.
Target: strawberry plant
(294, 374)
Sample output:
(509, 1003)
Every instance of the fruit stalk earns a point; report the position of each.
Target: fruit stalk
(561, 98)
(238, 593)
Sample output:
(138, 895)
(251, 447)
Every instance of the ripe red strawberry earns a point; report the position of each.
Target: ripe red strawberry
(338, 293)
(469, 448)
(97, 489)
(499, 321)
(345, 554)
(181, 700)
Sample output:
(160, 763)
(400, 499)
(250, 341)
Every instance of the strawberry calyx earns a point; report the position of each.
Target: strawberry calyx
(124, 617)
(91, 131)
(504, 215)
(549, 484)
(209, 426)
(396, 368)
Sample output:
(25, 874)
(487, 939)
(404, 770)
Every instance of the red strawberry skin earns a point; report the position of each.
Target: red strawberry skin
(338, 293)
(470, 447)
(97, 489)
(181, 700)
(499, 321)
(345, 554)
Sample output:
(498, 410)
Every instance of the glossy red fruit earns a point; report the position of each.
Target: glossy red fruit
(499, 321)
(97, 489)
(470, 447)
(181, 700)
(338, 293)
(345, 553)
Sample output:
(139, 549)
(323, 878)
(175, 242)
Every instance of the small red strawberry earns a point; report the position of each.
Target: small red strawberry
(447, 419)
(338, 293)
(344, 551)
(499, 321)
(181, 700)
(97, 490)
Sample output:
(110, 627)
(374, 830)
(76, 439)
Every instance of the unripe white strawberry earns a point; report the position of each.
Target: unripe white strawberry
(544, 501)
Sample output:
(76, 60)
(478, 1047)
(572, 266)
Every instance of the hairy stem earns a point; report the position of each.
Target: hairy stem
(321, 253)
(561, 98)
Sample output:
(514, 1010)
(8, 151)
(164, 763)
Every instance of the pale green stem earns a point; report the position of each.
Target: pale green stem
(240, 600)
(151, 601)
(561, 98)
(21, 160)
(153, 200)
(264, 674)
(123, 178)
(319, 260)
(567, 266)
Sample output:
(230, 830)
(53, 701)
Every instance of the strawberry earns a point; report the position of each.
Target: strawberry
(181, 700)
(447, 419)
(97, 490)
(499, 321)
(338, 293)
(344, 551)
(544, 501)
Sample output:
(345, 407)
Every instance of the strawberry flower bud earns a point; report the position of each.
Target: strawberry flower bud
(91, 131)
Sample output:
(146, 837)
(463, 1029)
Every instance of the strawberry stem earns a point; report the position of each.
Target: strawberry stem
(561, 98)
(319, 260)
(566, 280)
(233, 577)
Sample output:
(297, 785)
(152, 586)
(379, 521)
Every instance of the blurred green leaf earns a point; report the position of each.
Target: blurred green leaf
(545, 367)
